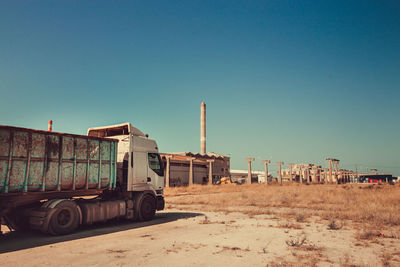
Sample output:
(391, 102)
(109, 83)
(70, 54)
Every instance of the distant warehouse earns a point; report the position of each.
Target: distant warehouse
(179, 167)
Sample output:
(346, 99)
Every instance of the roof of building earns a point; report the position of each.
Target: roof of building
(184, 158)
(208, 155)
(245, 171)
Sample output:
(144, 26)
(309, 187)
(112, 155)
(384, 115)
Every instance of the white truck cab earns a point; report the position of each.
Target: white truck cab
(140, 167)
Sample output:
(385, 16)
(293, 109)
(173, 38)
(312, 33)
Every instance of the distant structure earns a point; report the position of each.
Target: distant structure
(304, 173)
(187, 168)
(241, 176)
(203, 128)
(375, 177)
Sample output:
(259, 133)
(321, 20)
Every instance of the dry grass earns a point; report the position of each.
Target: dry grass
(367, 234)
(378, 204)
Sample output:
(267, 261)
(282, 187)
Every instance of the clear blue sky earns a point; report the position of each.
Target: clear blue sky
(292, 81)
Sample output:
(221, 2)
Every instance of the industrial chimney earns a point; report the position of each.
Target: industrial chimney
(202, 128)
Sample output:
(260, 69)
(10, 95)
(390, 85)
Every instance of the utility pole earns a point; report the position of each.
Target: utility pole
(266, 162)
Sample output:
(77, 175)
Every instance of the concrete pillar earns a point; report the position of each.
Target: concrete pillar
(301, 174)
(210, 171)
(202, 128)
(279, 172)
(337, 172)
(330, 179)
(291, 171)
(314, 173)
(167, 170)
(249, 160)
(191, 178)
(266, 169)
(326, 175)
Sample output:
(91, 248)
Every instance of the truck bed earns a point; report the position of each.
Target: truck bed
(34, 161)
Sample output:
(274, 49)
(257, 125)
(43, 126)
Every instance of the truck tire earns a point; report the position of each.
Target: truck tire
(65, 219)
(147, 207)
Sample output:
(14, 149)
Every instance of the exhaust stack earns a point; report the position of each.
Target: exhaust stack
(50, 126)
(202, 128)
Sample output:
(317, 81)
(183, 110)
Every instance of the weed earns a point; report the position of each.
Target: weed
(335, 225)
(296, 241)
(367, 234)
(205, 221)
(300, 217)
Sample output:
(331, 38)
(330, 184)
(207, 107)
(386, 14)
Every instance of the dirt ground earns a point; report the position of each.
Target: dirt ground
(183, 235)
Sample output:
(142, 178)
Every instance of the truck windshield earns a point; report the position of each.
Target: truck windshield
(156, 164)
(112, 131)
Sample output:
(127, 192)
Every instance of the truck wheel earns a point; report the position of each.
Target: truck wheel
(65, 219)
(147, 208)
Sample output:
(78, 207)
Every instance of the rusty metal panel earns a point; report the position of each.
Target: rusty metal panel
(38, 145)
(4, 139)
(80, 175)
(35, 175)
(81, 149)
(34, 160)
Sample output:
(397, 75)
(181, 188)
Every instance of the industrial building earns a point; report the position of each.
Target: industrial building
(187, 168)
(181, 165)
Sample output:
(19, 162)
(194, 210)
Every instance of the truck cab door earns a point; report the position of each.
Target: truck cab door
(155, 171)
(138, 164)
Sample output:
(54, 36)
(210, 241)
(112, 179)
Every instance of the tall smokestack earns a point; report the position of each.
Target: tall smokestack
(202, 128)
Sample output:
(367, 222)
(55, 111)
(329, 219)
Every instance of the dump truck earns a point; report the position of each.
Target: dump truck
(55, 182)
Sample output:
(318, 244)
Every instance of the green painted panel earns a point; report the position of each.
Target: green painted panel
(93, 149)
(35, 175)
(3, 173)
(67, 172)
(51, 176)
(80, 175)
(81, 149)
(94, 175)
(105, 151)
(105, 174)
(17, 176)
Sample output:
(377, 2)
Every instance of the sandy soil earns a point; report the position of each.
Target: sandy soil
(182, 236)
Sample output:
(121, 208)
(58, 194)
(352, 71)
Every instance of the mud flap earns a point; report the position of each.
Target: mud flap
(160, 203)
